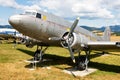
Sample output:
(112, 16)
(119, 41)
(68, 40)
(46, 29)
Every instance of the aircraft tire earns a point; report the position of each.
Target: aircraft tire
(81, 63)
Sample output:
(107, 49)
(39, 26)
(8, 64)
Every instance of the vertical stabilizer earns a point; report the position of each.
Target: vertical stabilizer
(107, 34)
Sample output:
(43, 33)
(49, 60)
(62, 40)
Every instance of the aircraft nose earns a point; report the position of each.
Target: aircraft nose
(14, 20)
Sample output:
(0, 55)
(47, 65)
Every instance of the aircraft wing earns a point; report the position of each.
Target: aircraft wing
(104, 45)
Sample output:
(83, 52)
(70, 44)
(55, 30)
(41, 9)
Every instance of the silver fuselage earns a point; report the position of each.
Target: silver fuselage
(49, 26)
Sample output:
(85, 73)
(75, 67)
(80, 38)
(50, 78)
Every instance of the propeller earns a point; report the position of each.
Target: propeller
(67, 40)
(70, 32)
(73, 27)
(54, 38)
(71, 52)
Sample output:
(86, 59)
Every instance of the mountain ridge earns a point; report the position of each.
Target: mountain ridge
(114, 28)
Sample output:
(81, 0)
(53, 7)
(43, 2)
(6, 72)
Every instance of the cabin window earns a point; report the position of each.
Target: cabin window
(38, 15)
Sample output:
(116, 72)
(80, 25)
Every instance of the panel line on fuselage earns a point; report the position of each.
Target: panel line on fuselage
(63, 24)
(78, 32)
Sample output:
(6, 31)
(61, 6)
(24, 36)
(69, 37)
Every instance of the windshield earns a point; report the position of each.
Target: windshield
(38, 15)
(30, 13)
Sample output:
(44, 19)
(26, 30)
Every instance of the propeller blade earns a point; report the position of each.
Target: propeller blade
(71, 52)
(55, 38)
(73, 26)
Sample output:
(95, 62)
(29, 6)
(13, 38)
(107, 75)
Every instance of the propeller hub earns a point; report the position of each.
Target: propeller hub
(67, 39)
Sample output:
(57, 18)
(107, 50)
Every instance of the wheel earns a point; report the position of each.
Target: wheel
(38, 55)
(81, 63)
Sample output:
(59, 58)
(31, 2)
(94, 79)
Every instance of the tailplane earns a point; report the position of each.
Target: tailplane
(107, 34)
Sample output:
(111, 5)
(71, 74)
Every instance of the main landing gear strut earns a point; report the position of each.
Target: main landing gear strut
(82, 63)
(38, 56)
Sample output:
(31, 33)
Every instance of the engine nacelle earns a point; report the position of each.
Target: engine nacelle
(28, 42)
(29, 45)
(76, 41)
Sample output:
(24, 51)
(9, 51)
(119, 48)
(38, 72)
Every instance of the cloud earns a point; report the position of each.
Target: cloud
(14, 4)
(36, 7)
(91, 9)
(58, 7)
(111, 4)
(84, 8)
(9, 3)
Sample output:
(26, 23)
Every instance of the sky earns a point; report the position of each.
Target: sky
(93, 13)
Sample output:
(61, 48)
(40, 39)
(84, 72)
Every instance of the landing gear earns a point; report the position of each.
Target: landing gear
(82, 63)
(38, 56)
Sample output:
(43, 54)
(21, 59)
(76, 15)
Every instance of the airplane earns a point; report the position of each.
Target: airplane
(46, 29)
(6, 33)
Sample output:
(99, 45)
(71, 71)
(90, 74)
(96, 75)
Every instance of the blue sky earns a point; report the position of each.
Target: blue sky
(94, 13)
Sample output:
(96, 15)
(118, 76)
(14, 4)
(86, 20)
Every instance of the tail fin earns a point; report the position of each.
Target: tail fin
(107, 34)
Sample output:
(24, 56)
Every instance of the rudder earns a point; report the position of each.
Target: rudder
(107, 34)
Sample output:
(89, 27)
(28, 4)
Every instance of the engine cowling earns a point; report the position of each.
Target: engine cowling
(28, 42)
(76, 41)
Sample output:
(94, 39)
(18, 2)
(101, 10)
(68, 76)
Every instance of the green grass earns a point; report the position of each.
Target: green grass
(13, 67)
(117, 33)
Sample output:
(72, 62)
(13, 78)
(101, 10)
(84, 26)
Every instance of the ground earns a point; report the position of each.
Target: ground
(115, 38)
(14, 67)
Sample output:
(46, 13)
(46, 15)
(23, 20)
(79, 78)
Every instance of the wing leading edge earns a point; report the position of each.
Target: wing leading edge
(104, 45)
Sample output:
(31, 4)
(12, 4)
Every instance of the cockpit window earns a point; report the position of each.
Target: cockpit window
(33, 13)
(30, 13)
(38, 15)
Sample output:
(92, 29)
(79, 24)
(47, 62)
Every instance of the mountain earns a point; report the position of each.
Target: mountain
(89, 28)
(6, 26)
(115, 28)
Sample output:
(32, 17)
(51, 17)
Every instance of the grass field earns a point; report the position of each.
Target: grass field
(115, 38)
(13, 66)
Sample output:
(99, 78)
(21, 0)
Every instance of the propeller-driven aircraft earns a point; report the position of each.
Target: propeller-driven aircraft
(49, 30)
(6, 33)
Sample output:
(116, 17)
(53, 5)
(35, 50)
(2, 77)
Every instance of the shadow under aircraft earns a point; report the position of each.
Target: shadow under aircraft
(58, 60)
